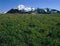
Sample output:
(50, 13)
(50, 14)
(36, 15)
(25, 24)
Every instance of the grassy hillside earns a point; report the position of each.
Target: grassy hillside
(29, 30)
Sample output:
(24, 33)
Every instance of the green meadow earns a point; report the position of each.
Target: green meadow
(29, 29)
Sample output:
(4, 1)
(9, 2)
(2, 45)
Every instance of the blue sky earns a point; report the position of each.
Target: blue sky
(5, 5)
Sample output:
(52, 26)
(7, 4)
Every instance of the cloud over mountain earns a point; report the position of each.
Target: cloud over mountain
(22, 7)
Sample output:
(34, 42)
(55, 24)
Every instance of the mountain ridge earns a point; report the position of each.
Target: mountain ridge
(31, 10)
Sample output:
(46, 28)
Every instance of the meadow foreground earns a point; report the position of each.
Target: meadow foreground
(29, 30)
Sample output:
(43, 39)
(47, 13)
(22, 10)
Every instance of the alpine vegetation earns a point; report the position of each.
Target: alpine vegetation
(30, 30)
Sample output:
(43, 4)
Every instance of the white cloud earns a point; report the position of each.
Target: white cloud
(21, 7)
(27, 9)
(33, 9)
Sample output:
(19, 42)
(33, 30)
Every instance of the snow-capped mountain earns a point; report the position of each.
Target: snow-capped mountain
(23, 9)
